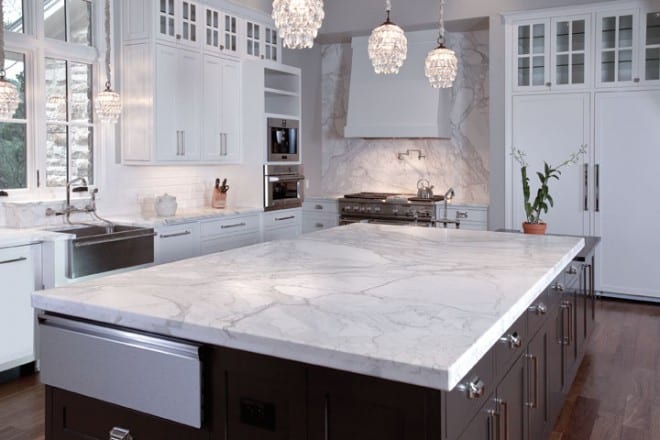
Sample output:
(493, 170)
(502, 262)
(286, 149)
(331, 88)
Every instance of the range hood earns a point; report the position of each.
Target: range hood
(396, 106)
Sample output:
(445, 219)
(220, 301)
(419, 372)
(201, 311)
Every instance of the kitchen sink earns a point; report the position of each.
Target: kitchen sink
(101, 248)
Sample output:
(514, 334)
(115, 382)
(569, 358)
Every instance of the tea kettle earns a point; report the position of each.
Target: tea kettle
(424, 189)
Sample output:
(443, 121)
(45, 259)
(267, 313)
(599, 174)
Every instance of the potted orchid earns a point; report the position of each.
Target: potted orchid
(543, 199)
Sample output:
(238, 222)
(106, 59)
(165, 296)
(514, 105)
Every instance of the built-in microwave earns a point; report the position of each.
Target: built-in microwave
(283, 140)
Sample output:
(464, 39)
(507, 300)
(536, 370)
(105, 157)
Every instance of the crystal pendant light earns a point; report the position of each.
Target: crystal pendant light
(298, 21)
(441, 63)
(108, 102)
(9, 97)
(388, 46)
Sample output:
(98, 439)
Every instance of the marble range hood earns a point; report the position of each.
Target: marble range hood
(396, 106)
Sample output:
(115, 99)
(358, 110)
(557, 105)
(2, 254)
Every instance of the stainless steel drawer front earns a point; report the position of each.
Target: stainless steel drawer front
(148, 374)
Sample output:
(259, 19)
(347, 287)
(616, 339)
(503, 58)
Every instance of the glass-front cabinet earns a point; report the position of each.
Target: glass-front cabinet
(532, 47)
(570, 55)
(221, 32)
(179, 20)
(552, 53)
(616, 48)
(651, 46)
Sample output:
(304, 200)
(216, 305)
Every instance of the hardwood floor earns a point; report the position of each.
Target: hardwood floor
(616, 395)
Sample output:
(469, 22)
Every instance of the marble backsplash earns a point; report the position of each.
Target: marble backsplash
(351, 165)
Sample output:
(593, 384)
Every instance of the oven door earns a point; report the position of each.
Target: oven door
(282, 192)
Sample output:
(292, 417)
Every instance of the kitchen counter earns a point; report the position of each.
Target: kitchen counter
(415, 305)
(182, 216)
(19, 237)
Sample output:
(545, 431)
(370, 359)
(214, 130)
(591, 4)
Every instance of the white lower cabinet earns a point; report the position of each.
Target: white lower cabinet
(18, 267)
(471, 217)
(319, 214)
(176, 242)
(229, 233)
(282, 224)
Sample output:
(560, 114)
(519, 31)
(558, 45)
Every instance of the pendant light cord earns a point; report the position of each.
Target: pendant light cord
(2, 41)
(107, 44)
(441, 37)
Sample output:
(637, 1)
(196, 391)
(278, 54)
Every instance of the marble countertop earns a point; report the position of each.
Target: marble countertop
(19, 237)
(416, 305)
(183, 216)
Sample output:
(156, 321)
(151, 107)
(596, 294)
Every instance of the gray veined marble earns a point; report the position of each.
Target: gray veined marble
(351, 165)
(416, 305)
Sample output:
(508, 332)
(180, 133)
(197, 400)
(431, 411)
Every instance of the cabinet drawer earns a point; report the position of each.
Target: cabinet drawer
(230, 242)
(469, 395)
(316, 222)
(229, 226)
(156, 376)
(176, 242)
(282, 218)
(510, 346)
(320, 206)
(467, 214)
(76, 417)
(572, 275)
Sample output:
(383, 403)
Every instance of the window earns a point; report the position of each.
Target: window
(52, 61)
(69, 130)
(13, 132)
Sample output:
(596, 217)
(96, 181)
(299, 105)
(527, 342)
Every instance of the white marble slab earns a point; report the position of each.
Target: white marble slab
(183, 216)
(21, 237)
(410, 304)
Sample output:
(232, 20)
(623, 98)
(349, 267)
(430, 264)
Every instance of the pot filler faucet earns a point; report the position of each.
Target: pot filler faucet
(445, 221)
(90, 208)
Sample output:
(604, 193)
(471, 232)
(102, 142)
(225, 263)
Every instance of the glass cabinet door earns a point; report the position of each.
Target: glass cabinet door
(617, 40)
(166, 18)
(531, 48)
(253, 39)
(188, 22)
(569, 51)
(271, 44)
(230, 32)
(651, 46)
(212, 26)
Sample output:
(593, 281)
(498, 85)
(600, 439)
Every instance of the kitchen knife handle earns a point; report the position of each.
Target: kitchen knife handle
(597, 187)
(586, 187)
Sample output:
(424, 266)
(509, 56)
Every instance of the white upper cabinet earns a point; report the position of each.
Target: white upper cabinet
(179, 21)
(551, 53)
(262, 41)
(221, 32)
(651, 46)
(617, 52)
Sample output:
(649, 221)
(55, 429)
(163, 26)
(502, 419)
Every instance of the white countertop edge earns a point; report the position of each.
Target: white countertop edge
(24, 237)
(440, 377)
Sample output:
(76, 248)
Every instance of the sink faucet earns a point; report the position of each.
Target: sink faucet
(68, 208)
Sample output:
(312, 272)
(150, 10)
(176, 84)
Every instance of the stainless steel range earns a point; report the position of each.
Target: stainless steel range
(388, 208)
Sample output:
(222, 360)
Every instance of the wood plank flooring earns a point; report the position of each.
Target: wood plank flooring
(616, 395)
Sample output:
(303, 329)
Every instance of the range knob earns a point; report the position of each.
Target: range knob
(346, 208)
(377, 209)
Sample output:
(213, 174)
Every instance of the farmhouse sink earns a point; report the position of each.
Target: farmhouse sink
(97, 249)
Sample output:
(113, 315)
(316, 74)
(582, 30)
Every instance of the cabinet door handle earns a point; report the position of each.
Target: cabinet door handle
(226, 143)
(597, 187)
(513, 339)
(568, 306)
(318, 206)
(572, 270)
(178, 142)
(461, 214)
(326, 417)
(183, 142)
(319, 225)
(535, 401)
(473, 389)
(15, 260)
(177, 234)
(237, 225)
(492, 417)
(505, 416)
(586, 187)
(118, 433)
(279, 219)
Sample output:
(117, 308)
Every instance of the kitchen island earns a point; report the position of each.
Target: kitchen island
(363, 330)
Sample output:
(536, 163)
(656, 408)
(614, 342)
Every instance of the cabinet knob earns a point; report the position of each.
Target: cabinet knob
(540, 309)
(473, 389)
(636, 80)
(572, 270)
(178, 36)
(222, 47)
(117, 433)
(262, 57)
(558, 286)
(548, 84)
(514, 340)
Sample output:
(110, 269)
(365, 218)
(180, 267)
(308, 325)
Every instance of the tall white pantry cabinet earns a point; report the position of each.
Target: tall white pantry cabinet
(590, 75)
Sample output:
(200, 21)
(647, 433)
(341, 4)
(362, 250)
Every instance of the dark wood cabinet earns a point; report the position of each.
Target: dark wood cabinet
(351, 406)
(511, 400)
(539, 378)
(485, 424)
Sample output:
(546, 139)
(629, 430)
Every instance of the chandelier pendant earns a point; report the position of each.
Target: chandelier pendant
(441, 65)
(388, 46)
(298, 21)
(108, 102)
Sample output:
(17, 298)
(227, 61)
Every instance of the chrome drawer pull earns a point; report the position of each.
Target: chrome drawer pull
(541, 309)
(461, 214)
(535, 402)
(318, 207)
(474, 389)
(15, 260)
(572, 270)
(279, 219)
(513, 339)
(558, 286)
(178, 234)
(237, 225)
(117, 433)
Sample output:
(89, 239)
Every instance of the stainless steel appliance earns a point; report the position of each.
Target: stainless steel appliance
(283, 140)
(388, 208)
(283, 186)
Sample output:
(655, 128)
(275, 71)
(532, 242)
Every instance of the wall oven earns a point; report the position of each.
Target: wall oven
(283, 140)
(283, 186)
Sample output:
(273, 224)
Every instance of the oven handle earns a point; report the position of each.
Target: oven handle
(286, 179)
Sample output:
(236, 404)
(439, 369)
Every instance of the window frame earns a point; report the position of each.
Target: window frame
(36, 48)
